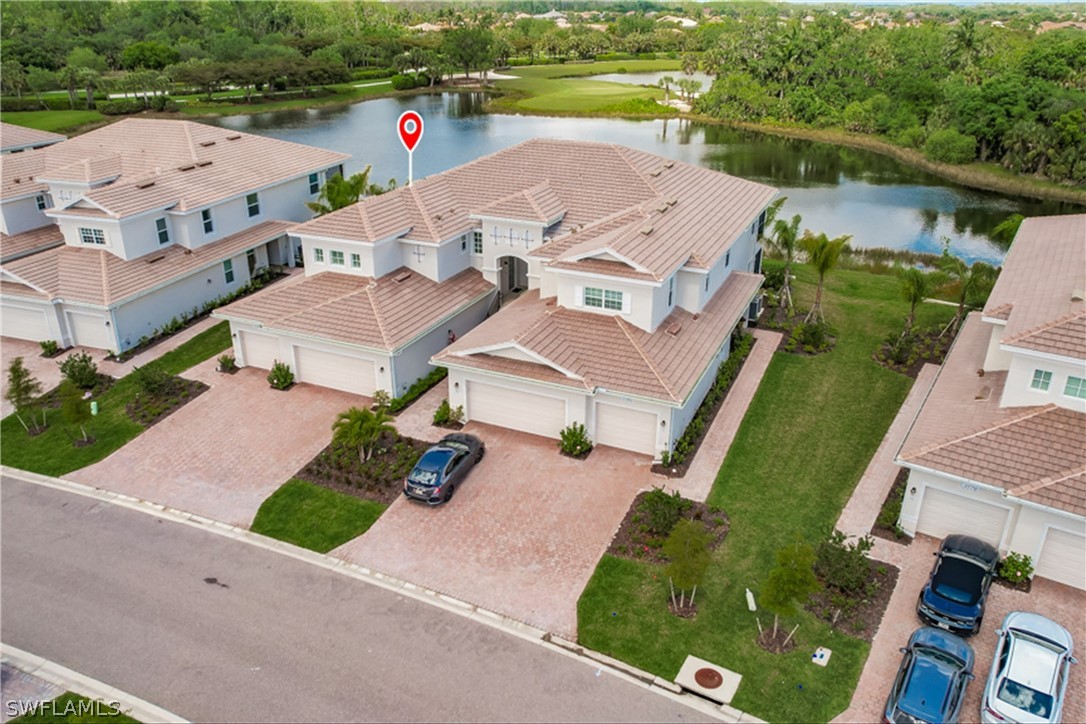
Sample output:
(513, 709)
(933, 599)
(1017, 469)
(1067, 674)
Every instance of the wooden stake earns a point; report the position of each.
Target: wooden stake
(790, 636)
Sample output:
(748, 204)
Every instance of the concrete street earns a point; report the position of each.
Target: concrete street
(217, 629)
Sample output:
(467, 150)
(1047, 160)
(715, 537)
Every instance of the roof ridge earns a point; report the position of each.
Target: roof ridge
(192, 146)
(641, 352)
(620, 150)
(1044, 327)
(1027, 414)
(1048, 480)
(377, 313)
(423, 211)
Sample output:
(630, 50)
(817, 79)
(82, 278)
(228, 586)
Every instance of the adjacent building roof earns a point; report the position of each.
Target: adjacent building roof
(94, 276)
(655, 212)
(384, 313)
(1035, 452)
(589, 351)
(19, 138)
(30, 242)
(148, 164)
(1041, 288)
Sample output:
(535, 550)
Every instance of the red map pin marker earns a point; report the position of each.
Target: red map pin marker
(410, 129)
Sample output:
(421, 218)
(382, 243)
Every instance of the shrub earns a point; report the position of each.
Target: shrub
(418, 389)
(154, 381)
(949, 146)
(841, 564)
(912, 137)
(1016, 567)
(49, 347)
(80, 370)
(443, 413)
(575, 440)
(899, 348)
(403, 82)
(381, 400)
(816, 335)
(227, 363)
(662, 510)
(280, 377)
(889, 514)
(120, 106)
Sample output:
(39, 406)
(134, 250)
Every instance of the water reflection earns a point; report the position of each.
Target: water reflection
(877, 200)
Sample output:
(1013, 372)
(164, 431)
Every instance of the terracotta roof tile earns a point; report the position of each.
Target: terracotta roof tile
(381, 314)
(1065, 336)
(29, 242)
(14, 138)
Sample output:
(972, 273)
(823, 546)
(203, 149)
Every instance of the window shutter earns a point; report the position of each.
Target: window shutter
(578, 296)
(626, 301)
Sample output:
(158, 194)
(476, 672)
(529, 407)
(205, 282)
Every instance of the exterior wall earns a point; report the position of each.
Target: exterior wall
(110, 227)
(413, 362)
(639, 305)
(107, 322)
(139, 237)
(1033, 525)
(312, 266)
(577, 403)
(67, 193)
(682, 416)
(426, 265)
(689, 289)
(1017, 390)
(19, 215)
(453, 257)
(922, 480)
(387, 257)
(996, 359)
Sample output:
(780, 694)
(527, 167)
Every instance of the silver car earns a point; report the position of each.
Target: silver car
(1029, 672)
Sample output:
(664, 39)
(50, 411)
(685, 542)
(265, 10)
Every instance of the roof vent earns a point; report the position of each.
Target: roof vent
(157, 258)
(673, 200)
(233, 137)
(17, 179)
(668, 164)
(647, 229)
(186, 167)
(662, 207)
(145, 185)
(696, 317)
(205, 144)
(983, 394)
(674, 329)
(402, 278)
(1078, 295)
(201, 164)
(550, 302)
(655, 172)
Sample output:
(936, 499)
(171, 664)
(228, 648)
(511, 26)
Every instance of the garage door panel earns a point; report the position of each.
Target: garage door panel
(943, 513)
(1063, 558)
(89, 330)
(626, 428)
(23, 323)
(516, 409)
(337, 371)
(259, 350)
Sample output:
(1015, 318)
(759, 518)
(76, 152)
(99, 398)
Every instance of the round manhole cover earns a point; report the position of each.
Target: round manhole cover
(708, 678)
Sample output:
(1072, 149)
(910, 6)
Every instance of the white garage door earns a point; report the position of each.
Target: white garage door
(259, 350)
(943, 513)
(89, 330)
(337, 371)
(1063, 558)
(23, 323)
(537, 414)
(625, 428)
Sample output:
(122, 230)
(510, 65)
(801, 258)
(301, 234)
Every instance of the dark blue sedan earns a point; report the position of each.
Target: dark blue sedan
(957, 589)
(930, 684)
(443, 467)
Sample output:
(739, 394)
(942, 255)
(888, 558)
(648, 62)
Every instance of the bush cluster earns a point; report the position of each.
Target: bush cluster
(574, 440)
(446, 414)
(49, 347)
(155, 382)
(842, 564)
(662, 510)
(417, 390)
(407, 82)
(1016, 567)
(950, 146)
(80, 370)
(280, 377)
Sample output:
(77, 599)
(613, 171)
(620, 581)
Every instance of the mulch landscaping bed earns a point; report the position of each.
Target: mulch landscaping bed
(1023, 586)
(857, 614)
(929, 346)
(777, 319)
(635, 541)
(886, 523)
(379, 479)
(148, 410)
(51, 399)
(779, 644)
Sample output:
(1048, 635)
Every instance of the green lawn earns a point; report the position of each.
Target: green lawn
(315, 517)
(556, 89)
(52, 452)
(806, 439)
(72, 708)
(56, 121)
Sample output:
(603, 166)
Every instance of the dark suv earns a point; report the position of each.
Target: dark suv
(953, 598)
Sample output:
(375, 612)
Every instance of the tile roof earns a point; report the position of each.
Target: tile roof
(962, 430)
(17, 172)
(383, 313)
(29, 242)
(603, 351)
(14, 289)
(95, 276)
(1043, 280)
(160, 163)
(1065, 336)
(607, 193)
(14, 138)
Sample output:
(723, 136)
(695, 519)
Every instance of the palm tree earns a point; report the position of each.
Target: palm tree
(666, 82)
(823, 254)
(784, 241)
(974, 283)
(362, 428)
(339, 192)
(1006, 230)
(916, 286)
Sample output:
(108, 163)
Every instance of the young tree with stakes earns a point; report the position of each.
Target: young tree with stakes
(916, 286)
(789, 583)
(785, 241)
(823, 254)
(688, 550)
(74, 408)
(974, 282)
(23, 390)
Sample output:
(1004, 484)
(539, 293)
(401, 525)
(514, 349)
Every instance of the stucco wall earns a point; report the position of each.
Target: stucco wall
(1017, 390)
(996, 359)
(421, 258)
(1033, 525)
(70, 227)
(639, 304)
(922, 480)
(682, 416)
(19, 215)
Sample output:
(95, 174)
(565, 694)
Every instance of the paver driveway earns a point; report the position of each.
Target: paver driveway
(521, 537)
(1061, 603)
(226, 451)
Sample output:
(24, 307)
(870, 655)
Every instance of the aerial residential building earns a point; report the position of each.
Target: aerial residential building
(111, 234)
(998, 450)
(620, 277)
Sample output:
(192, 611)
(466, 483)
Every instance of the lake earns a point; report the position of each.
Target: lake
(838, 190)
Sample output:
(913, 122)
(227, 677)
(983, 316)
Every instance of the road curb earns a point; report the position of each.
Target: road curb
(601, 662)
(62, 676)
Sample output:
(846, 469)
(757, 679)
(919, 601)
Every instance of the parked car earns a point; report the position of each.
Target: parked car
(930, 683)
(443, 467)
(954, 596)
(1029, 671)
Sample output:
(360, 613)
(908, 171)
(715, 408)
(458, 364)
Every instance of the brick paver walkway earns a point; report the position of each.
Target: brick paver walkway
(226, 451)
(521, 537)
(701, 474)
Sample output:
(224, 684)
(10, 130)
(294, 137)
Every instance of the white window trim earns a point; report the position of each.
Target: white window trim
(318, 255)
(228, 271)
(332, 257)
(356, 260)
(1044, 377)
(249, 205)
(85, 232)
(207, 221)
(163, 229)
(1081, 386)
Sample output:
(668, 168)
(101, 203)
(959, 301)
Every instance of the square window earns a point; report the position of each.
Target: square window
(92, 236)
(1041, 380)
(477, 242)
(228, 270)
(1075, 387)
(356, 261)
(612, 300)
(314, 184)
(209, 225)
(40, 199)
(593, 297)
(163, 231)
(318, 255)
(252, 202)
(336, 257)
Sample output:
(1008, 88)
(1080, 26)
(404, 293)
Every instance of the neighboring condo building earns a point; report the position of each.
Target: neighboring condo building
(109, 235)
(620, 277)
(998, 450)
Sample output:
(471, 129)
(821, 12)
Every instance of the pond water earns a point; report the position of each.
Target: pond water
(877, 200)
